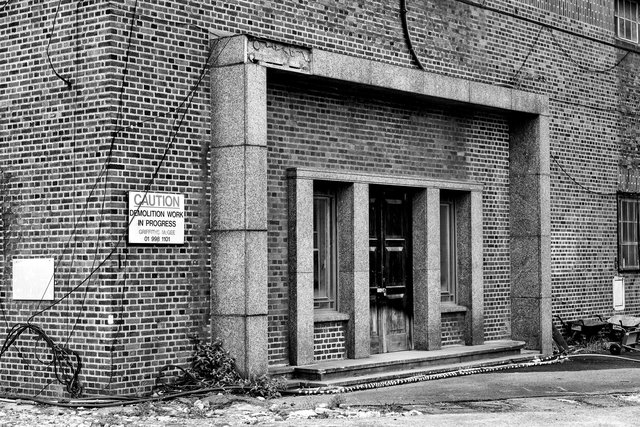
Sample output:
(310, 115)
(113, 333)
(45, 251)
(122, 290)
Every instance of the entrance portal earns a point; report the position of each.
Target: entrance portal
(390, 292)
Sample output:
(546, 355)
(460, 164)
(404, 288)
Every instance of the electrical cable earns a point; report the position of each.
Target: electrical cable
(580, 66)
(609, 356)
(72, 386)
(167, 19)
(123, 400)
(426, 377)
(407, 34)
(4, 5)
(104, 173)
(448, 374)
(549, 26)
(30, 327)
(107, 163)
(147, 187)
(66, 362)
(534, 44)
(53, 26)
(117, 401)
(586, 189)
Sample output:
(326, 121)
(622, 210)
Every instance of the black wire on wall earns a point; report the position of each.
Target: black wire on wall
(407, 34)
(50, 36)
(67, 363)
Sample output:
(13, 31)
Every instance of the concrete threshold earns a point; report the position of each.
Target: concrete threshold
(404, 364)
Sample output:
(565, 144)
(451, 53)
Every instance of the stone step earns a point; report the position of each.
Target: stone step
(392, 376)
(406, 363)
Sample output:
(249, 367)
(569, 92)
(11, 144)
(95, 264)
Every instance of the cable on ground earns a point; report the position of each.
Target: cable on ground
(448, 374)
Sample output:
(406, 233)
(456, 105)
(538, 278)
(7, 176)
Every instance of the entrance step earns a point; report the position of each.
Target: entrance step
(403, 364)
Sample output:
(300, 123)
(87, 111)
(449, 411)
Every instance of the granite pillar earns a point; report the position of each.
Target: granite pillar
(353, 266)
(426, 269)
(530, 232)
(239, 210)
(469, 268)
(300, 271)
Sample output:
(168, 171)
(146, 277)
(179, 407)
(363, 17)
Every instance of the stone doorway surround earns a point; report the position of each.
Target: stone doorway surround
(353, 214)
(239, 203)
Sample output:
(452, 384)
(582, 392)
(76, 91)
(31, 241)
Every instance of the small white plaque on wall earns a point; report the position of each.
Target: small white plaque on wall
(618, 293)
(33, 279)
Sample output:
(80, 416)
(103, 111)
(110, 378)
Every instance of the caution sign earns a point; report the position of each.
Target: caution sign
(156, 218)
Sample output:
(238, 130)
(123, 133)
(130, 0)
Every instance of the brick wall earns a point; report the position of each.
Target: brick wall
(453, 328)
(54, 142)
(329, 341)
(66, 198)
(354, 131)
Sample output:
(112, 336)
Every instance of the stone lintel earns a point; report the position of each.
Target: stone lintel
(337, 66)
(381, 179)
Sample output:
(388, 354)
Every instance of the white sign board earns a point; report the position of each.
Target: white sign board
(156, 218)
(33, 279)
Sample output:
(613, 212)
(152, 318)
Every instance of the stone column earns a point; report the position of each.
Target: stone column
(353, 273)
(470, 280)
(300, 271)
(426, 270)
(239, 207)
(530, 231)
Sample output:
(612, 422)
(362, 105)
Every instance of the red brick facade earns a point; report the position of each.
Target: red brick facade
(69, 155)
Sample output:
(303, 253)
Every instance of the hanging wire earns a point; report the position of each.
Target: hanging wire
(534, 44)
(53, 27)
(407, 33)
(578, 184)
(4, 5)
(582, 67)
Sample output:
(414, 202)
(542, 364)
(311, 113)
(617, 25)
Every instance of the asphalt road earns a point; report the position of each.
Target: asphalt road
(591, 374)
(583, 391)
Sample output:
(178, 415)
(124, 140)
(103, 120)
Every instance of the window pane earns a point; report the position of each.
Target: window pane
(633, 256)
(395, 218)
(375, 266)
(323, 252)
(395, 232)
(389, 250)
(626, 20)
(447, 252)
(395, 265)
(625, 9)
(444, 249)
(628, 234)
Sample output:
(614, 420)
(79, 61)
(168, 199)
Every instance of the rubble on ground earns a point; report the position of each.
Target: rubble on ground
(214, 409)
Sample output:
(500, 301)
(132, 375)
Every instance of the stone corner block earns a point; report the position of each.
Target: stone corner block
(528, 102)
(229, 50)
